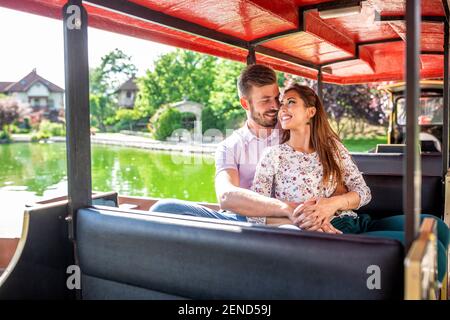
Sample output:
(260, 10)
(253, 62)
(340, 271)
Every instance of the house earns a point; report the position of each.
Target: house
(127, 93)
(35, 91)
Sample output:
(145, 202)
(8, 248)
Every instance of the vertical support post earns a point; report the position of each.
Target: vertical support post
(412, 173)
(445, 147)
(320, 84)
(445, 131)
(78, 143)
(251, 57)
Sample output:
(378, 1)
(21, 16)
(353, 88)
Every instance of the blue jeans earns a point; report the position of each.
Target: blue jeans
(193, 209)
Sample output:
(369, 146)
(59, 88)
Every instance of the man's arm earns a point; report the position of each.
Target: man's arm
(248, 203)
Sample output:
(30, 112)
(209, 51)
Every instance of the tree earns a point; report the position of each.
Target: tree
(127, 118)
(165, 122)
(201, 78)
(10, 111)
(114, 69)
(360, 104)
(177, 75)
(101, 110)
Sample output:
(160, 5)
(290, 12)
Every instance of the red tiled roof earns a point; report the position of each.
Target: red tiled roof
(26, 82)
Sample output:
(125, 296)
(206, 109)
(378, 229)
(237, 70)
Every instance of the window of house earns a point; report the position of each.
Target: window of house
(129, 94)
(34, 102)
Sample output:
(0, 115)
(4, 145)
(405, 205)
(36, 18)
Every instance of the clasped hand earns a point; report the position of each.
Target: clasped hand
(315, 215)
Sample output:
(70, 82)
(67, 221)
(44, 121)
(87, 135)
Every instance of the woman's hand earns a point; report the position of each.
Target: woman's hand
(314, 213)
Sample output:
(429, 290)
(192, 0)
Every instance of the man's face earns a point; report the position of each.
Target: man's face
(263, 105)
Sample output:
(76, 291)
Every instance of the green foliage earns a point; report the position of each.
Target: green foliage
(53, 129)
(224, 99)
(114, 69)
(352, 107)
(41, 135)
(164, 122)
(5, 136)
(177, 75)
(126, 119)
(18, 130)
(101, 109)
(210, 120)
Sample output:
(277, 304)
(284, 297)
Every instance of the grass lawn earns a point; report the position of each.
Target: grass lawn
(362, 144)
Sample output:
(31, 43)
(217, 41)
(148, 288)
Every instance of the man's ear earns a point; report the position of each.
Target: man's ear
(244, 103)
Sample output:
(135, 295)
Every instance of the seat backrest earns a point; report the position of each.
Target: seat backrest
(390, 148)
(38, 268)
(429, 146)
(126, 255)
(383, 174)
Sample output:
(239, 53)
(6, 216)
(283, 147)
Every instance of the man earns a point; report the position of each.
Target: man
(237, 157)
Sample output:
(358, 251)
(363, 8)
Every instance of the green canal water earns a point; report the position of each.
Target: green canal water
(40, 169)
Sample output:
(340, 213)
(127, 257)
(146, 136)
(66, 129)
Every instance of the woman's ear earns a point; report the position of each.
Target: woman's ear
(311, 112)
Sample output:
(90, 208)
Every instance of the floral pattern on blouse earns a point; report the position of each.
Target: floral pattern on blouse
(291, 175)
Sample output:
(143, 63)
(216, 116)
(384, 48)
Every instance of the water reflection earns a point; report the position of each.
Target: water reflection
(41, 168)
(30, 172)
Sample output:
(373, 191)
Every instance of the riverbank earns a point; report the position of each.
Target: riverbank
(143, 142)
(124, 140)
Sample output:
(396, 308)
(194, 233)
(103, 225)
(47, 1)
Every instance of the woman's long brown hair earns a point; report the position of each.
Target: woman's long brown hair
(323, 138)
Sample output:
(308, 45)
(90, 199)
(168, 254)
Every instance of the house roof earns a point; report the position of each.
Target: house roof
(4, 86)
(130, 84)
(26, 82)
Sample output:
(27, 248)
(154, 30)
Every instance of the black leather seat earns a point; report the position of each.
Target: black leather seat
(383, 174)
(127, 255)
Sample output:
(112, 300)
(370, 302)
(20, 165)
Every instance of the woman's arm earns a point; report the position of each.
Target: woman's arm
(320, 210)
(359, 193)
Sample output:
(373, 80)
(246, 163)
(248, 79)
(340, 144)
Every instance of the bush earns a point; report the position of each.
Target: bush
(52, 129)
(5, 136)
(41, 135)
(165, 121)
(126, 119)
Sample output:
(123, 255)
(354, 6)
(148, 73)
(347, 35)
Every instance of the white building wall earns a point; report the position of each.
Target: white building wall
(124, 101)
(21, 97)
(58, 99)
(38, 90)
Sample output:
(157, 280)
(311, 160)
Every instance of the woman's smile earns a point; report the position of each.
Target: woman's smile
(285, 117)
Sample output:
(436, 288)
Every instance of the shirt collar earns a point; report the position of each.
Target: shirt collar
(248, 135)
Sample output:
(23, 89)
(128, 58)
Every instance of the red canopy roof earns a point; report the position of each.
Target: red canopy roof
(363, 47)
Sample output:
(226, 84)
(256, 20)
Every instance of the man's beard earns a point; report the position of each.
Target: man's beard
(260, 119)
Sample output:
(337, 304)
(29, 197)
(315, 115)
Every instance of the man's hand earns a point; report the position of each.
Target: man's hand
(315, 215)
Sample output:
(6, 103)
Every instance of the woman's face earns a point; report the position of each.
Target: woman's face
(293, 113)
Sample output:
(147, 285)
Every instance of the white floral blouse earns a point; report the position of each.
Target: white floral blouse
(291, 175)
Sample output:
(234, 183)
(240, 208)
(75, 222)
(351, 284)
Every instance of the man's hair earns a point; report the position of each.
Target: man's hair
(256, 75)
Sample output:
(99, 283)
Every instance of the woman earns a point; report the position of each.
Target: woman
(311, 163)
